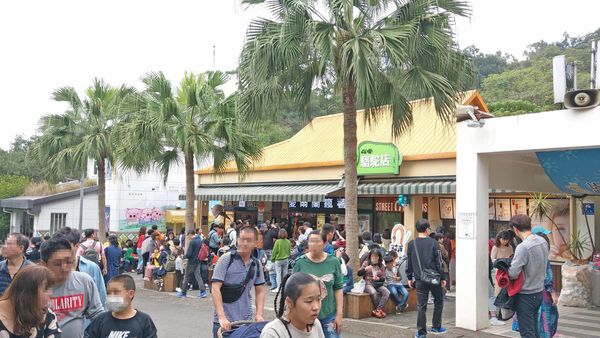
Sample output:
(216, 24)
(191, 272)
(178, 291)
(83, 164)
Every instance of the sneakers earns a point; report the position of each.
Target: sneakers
(379, 313)
(274, 290)
(401, 308)
(181, 295)
(420, 335)
(178, 290)
(496, 322)
(203, 294)
(438, 330)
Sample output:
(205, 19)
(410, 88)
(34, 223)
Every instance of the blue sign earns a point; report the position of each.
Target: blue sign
(575, 172)
(403, 200)
(588, 209)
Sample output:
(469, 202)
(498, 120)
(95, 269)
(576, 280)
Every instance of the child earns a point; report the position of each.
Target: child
(346, 270)
(128, 260)
(121, 319)
(373, 272)
(393, 282)
(178, 269)
(299, 304)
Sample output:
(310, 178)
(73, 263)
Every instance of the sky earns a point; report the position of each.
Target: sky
(45, 45)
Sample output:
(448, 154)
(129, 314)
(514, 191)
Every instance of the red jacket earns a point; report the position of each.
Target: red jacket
(513, 286)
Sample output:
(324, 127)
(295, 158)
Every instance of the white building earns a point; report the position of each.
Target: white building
(132, 201)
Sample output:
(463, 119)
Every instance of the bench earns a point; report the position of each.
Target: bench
(359, 305)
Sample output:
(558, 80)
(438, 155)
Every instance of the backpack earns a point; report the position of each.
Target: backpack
(170, 263)
(90, 253)
(203, 253)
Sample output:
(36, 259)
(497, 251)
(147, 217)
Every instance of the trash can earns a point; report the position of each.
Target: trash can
(595, 287)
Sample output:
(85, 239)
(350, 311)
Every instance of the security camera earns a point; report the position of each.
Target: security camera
(475, 123)
(582, 99)
(472, 115)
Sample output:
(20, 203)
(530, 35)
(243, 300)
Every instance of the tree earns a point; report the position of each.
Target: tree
(83, 132)
(196, 122)
(10, 186)
(374, 52)
(486, 64)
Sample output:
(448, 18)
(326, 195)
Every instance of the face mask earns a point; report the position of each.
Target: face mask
(115, 303)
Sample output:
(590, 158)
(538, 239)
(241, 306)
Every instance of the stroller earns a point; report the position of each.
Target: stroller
(243, 329)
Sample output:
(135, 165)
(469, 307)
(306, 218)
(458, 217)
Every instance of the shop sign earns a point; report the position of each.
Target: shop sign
(328, 203)
(403, 200)
(376, 158)
(387, 204)
(261, 207)
(575, 171)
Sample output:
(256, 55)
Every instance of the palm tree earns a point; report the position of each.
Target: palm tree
(197, 122)
(83, 132)
(375, 52)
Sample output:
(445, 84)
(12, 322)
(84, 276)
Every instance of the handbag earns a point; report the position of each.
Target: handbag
(232, 292)
(429, 276)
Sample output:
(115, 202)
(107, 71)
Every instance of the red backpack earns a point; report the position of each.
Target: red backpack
(203, 253)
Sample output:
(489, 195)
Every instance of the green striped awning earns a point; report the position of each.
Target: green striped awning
(267, 193)
(407, 188)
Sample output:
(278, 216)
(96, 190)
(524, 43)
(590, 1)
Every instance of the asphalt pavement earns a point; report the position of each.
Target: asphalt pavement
(192, 317)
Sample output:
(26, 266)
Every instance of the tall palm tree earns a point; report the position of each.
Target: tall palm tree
(375, 52)
(194, 123)
(83, 132)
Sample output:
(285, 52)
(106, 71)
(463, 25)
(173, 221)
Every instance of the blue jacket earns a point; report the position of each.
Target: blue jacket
(93, 270)
(5, 278)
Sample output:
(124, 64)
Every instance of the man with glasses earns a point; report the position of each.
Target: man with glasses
(74, 297)
(14, 254)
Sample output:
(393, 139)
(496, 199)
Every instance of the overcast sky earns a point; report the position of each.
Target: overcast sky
(48, 44)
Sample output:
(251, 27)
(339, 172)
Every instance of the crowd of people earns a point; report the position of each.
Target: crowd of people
(78, 287)
(70, 288)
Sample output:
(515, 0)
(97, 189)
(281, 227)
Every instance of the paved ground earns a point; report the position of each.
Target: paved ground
(192, 317)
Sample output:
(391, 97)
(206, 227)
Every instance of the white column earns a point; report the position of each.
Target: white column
(472, 228)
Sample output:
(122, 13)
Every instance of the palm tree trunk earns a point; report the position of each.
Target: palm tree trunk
(101, 199)
(350, 175)
(189, 191)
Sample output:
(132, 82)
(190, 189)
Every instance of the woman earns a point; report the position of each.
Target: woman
(373, 272)
(113, 258)
(502, 247)
(280, 255)
(299, 305)
(24, 311)
(327, 269)
(141, 237)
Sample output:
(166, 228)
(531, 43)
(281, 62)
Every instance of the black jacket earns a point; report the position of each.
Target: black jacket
(269, 238)
(430, 255)
(193, 250)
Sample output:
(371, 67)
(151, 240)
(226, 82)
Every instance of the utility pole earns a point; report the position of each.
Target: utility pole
(81, 200)
(214, 57)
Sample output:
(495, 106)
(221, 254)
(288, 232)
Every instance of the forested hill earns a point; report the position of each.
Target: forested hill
(512, 87)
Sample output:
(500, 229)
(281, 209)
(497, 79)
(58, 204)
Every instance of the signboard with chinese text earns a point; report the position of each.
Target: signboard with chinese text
(375, 158)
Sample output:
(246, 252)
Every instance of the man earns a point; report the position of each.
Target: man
(234, 269)
(14, 254)
(81, 263)
(330, 231)
(74, 297)
(33, 252)
(531, 259)
(424, 253)
(91, 243)
(193, 266)
(214, 238)
(121, 319)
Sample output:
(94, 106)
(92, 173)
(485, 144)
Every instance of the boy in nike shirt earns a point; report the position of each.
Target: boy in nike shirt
(121, 319)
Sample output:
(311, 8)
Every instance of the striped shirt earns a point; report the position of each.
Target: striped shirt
(5, 278)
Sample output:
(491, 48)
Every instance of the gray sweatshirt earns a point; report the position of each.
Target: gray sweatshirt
(75, 299)
(531, 257)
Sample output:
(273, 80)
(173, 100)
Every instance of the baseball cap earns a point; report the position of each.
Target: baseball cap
(539, 229)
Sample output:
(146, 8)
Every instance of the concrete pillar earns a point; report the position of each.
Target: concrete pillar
(472, 182)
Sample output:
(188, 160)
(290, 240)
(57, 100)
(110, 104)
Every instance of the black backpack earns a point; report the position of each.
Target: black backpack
(90, 253)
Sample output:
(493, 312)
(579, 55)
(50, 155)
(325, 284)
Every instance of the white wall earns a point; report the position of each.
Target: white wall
(478, 152)
(129, 190)
(70, 206)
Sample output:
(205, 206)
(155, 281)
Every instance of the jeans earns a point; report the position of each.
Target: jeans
(204, 272)
(140, 259)
(145, 258)
(281, 268)
(527, 308)
(195, 270)
(379, 296)
(328, 326)
(398, 293)
(423, 290)
(347, 288)
(216, 327)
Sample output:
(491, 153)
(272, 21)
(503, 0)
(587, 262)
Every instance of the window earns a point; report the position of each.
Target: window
(57, 221)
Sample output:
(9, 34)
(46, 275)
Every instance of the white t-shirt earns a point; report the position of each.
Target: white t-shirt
(276, 329)
(179, 263)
